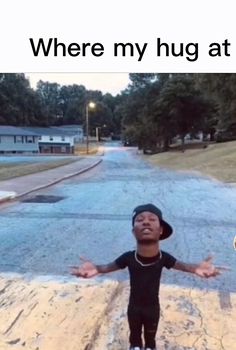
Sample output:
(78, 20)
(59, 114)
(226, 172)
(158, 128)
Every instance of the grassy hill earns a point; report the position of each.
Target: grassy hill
(217, 160)
(9, 171)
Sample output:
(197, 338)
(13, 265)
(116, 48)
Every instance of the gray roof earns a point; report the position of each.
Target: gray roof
(70, 126)
(8, 130)
(50, 131)
(69, 129)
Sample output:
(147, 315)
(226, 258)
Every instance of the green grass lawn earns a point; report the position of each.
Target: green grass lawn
(218, 160)
(9, 171)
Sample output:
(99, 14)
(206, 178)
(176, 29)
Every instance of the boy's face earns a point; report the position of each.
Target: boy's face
(147, 228)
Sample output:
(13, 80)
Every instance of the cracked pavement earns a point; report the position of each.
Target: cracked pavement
(91, 315)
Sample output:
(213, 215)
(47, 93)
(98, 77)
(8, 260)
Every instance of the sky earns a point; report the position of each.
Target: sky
(112, 83)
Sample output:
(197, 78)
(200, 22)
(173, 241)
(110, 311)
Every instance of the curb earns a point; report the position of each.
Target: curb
(11, 195)
(51, 183)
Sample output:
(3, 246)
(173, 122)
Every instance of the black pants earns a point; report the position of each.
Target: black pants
(140, 317)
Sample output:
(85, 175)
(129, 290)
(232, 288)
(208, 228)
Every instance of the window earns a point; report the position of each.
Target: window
(18, 139)
(29, 139)
(40, 138)
(51, 138)
(63, 138)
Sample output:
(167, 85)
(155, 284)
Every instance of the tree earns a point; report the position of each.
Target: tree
(181, 109)
(221, 88)
(139, 108)
(19, 104)
(49, 95)
(141, 80)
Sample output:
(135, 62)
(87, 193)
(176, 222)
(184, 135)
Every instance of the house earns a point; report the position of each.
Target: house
(57, 139)
(74, 129)
(17, 140)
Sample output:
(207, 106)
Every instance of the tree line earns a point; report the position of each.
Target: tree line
(151, 111)
(159, 107)
(51, 104)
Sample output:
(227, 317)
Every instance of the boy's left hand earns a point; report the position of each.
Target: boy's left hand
(207, 269)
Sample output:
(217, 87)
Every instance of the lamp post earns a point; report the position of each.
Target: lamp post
(88, 105)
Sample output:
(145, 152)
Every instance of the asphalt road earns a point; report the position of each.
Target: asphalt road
(93, 219)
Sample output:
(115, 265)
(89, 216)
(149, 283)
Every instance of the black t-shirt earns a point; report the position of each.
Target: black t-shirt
(145, 280)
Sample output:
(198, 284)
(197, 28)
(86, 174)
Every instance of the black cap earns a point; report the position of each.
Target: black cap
(167, 229)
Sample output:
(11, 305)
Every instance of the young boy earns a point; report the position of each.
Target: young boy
(145, 266)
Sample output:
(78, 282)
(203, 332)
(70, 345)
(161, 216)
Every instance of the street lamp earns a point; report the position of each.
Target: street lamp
(90, 105)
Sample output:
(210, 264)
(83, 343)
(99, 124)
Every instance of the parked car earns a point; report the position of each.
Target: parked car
(225, 135)
(151, 150)
(115, 137)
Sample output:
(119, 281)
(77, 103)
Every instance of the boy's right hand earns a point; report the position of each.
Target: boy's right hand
(86, 270)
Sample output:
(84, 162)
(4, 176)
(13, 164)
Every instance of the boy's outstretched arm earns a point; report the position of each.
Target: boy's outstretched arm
(204, 269)
(89, 269)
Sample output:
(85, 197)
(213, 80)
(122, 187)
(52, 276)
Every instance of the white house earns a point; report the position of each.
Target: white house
(57, 139)
(17, 140)
(74, 129)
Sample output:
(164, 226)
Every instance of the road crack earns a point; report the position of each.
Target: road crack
(14, 322)
(110, 304)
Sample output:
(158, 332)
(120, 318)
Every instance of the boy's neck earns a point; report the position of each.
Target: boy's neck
(148, 250)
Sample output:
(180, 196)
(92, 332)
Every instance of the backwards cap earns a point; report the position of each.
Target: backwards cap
(167, 229)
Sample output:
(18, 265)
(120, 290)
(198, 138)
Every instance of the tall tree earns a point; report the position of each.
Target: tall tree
(49, 94)
(19, 104)
(141, 80)
(181, 109)
(139, 108)
(221, 88)
(72, 102)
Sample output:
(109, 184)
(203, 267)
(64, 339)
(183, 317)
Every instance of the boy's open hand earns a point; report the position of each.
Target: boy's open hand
(86, 270)
(207, 269)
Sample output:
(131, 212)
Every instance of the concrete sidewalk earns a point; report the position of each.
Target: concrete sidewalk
(91, 315)
(23, 185)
